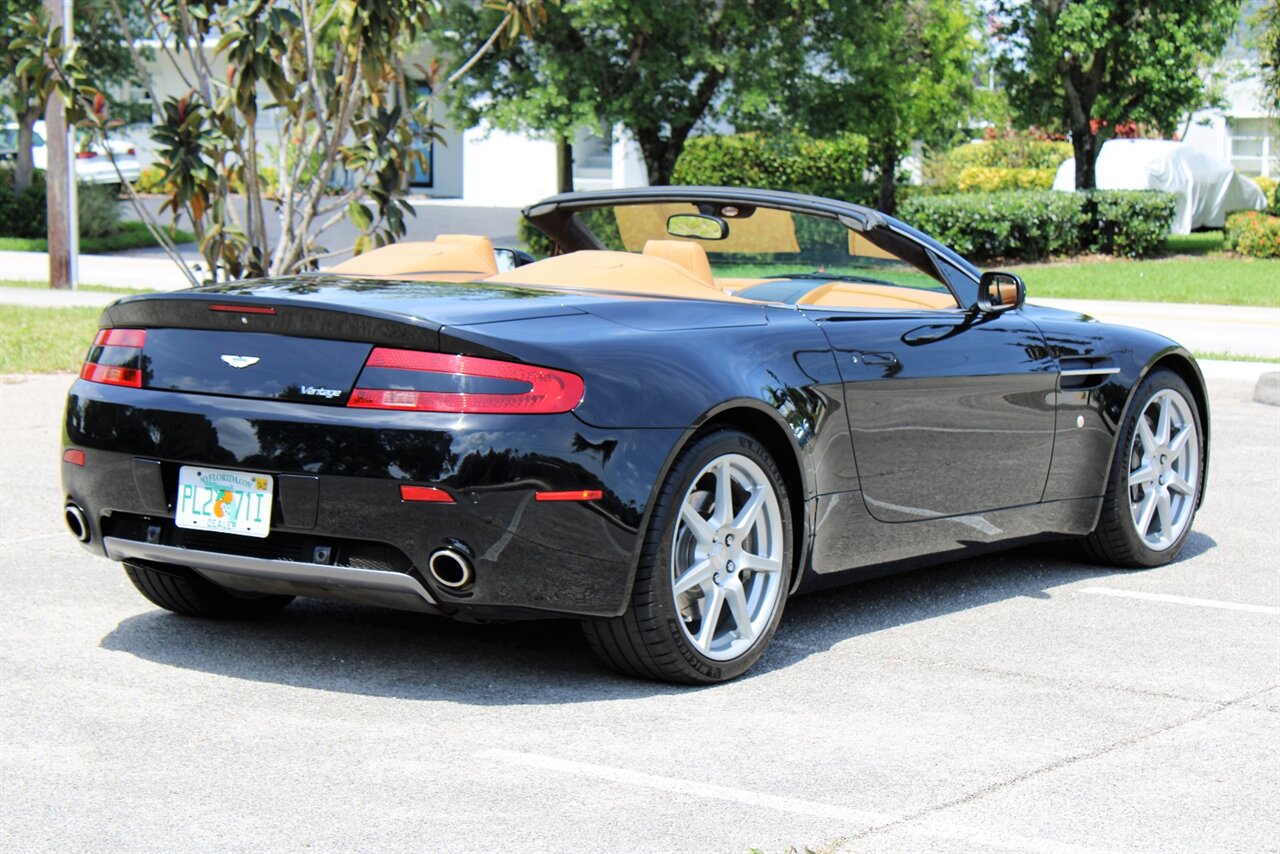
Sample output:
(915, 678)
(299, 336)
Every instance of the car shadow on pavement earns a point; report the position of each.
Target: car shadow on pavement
(377, 652)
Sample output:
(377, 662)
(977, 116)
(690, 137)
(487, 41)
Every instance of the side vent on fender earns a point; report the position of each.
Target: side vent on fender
(1084, 372)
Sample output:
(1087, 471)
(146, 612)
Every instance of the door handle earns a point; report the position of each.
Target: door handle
(880, 359)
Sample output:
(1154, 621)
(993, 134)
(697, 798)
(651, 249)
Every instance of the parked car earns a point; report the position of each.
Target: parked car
(93, 158)
(710, 400)
(1205, 189)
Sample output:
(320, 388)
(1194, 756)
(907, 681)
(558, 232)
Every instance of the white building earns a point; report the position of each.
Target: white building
(1243, 134)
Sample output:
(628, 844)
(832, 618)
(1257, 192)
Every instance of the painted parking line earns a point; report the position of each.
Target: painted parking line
(1183, 600)
(796, 806)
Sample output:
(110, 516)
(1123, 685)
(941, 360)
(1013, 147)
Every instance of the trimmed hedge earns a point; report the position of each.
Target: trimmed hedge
(1035, 225)
(823, 167)
(993, 179)
(1010, 152)
(1253, 233)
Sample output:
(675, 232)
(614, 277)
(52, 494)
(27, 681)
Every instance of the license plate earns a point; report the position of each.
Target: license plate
(232, 502)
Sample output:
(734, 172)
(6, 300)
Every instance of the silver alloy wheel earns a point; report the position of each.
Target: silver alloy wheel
(1164, 469)
(726, 557)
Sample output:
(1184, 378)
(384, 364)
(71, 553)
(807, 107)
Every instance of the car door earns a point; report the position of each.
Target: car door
(951, 412)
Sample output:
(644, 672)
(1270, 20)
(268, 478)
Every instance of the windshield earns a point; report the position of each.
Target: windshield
(770, 254)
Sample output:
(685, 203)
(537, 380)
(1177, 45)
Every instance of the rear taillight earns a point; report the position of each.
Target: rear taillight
(439, 382)
(116, 357)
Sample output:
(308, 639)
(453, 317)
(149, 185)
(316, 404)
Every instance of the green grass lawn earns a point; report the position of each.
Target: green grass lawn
(1197, 243)
(105, 289)
(1214, 280)
(132, 235)
(43, 340)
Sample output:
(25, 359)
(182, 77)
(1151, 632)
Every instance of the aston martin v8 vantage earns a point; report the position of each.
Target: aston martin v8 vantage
(701, 402)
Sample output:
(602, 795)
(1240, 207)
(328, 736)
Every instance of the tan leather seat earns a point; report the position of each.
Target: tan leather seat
(454, 255)
(689, 255)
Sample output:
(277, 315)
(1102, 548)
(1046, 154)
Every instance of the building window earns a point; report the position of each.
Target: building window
(1255, 146)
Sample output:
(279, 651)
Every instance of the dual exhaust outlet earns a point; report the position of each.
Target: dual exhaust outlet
(450, 568)
(77, 523)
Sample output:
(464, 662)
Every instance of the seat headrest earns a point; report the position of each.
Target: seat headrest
(687, 254)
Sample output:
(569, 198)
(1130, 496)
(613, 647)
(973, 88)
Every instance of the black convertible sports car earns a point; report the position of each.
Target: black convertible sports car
(704, 401)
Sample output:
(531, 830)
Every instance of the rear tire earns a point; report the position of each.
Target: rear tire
(1156, 478)
(184, 591)
(714, 569)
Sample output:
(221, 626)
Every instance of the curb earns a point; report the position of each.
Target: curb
(1267, 389)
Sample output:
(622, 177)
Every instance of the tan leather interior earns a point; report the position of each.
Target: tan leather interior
(677, 268)
(454, 255)
(1007, 292)
(615, 271)
(691, 256)
(857, 295)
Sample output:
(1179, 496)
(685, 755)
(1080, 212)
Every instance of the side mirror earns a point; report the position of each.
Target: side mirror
(1000, 292)
(509, 259)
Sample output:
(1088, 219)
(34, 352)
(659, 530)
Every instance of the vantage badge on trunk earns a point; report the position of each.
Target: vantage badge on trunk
(240, 361)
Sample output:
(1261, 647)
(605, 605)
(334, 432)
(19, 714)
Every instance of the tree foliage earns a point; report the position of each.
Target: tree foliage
(332, 74)
(1268, 43)
(895, 71)
(658, 69)
(1089, 65)
(25, 92)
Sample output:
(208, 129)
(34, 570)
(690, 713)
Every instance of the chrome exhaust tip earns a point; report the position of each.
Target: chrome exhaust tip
(451, 569)
(77, 523)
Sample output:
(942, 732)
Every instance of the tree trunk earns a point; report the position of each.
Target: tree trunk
(887, 160)
(564, 165)
(24, 166)
(1084, 143)
(60, 180)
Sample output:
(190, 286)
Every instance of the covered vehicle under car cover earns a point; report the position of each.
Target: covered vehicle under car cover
(1206, 189)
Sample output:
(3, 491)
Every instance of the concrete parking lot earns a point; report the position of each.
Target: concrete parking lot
(1022, 702)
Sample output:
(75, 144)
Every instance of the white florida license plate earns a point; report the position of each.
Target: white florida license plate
(233, 502)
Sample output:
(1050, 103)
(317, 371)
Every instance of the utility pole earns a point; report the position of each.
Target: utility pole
(60, 174)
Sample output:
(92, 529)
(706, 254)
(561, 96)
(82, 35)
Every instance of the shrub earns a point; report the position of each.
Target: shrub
(26, 215)
(1017, 151)
(98, 208)
(992, 179)
(1129, 222)
(152, 181)
(1253, 233)
(982, 226)
(823, 167)
(1268, 187)
(1014, 150)
(1034, 225)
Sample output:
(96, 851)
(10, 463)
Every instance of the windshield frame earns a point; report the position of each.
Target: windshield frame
(555, 218)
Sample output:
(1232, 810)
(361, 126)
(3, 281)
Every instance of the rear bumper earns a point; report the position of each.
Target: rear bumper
(280, 575)
(339, 527)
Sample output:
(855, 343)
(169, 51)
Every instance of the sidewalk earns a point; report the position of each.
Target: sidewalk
(1240, 330)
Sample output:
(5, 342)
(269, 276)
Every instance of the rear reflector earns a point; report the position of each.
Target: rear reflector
(75, 456)
(425, 493)
(115, 358)
(243, 309)
(571, 495)
(549, 391)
